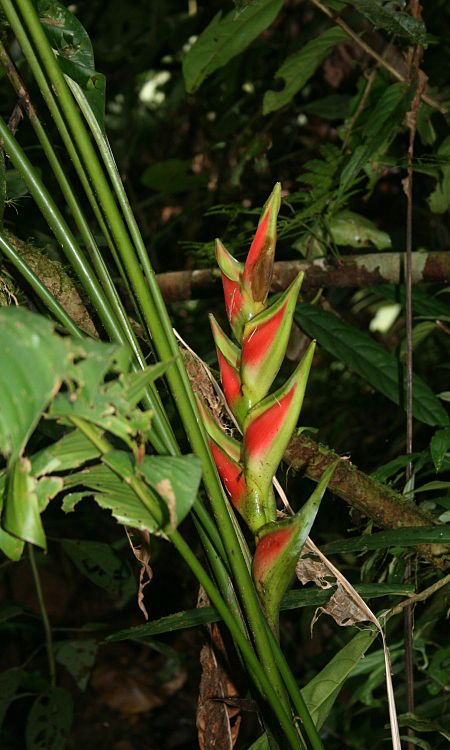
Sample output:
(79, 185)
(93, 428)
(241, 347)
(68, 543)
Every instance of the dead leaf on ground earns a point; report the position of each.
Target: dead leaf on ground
(218, 707)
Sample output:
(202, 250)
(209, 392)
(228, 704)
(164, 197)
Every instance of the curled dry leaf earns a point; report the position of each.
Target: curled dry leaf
(140, 544)
(218, 707)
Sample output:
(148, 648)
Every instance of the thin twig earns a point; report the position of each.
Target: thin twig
(360, 107)
(44, 616)
(422, 596)
(415, 75)
(366, 47)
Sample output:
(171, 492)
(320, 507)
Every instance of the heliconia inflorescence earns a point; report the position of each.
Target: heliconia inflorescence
(247, 372)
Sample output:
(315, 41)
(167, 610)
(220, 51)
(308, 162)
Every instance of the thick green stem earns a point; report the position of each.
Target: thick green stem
(260, 677)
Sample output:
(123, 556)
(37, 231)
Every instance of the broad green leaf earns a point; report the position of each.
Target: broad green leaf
(295, 599)
(321, 693)
(11, 546)
(299, 67)
(49, 721)
(369, 360)
(102, 565)
(33, 361)
(21, 516)
(173, 176)
(349, 229)
(74, 52)
(386, 117)
(439, 445)
(393, 18)
(70, 452)
(111, 493)
(9, 683)
(226, 37)
(173, 482)
(404, 537)
(78, 657)
(174, 478)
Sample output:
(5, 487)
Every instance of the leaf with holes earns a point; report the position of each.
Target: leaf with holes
(49, 721)
(101, 565)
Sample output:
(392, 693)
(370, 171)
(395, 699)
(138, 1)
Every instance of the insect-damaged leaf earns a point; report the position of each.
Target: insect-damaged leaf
(49, 720)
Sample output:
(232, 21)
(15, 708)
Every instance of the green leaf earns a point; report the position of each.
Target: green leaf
(385, 118)
(321, 693)
(102, 565)
(299, 67)
(225, 38)
(22, 513)
(49, 721)
(439, 199)
(440, 444)
(70, 452)
(78, 657)
(295, 599)
(173, 176)
(369, 360)
(9, 611)
(349, 229)
(9, 683)
(390, 17)
(33, 363)
(405, 537)
(74, 53)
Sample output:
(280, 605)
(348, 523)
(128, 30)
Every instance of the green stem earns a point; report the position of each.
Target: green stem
(234, 626)
(44, 616)
(158, 321)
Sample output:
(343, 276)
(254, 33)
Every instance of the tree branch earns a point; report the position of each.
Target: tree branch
(352, 271)
(386, 507)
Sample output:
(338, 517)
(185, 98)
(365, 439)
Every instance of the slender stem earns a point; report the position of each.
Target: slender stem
(44, 616)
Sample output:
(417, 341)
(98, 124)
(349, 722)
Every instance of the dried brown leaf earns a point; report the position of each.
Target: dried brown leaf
(140, 544)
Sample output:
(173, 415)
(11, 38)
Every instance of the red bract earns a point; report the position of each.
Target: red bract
(231, 474)
(259, 264)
